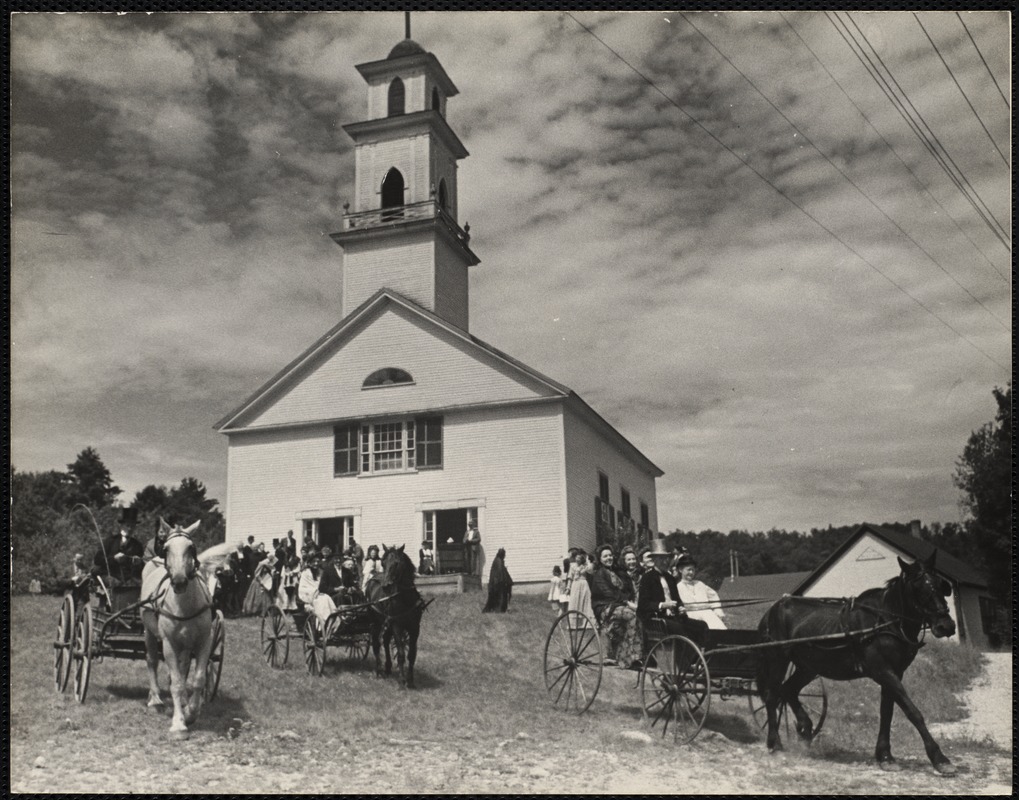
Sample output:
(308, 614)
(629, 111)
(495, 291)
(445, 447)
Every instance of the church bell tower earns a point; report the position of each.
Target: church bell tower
(403, 232)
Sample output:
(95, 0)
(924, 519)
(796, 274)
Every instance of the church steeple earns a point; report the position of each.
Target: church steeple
(403, 231)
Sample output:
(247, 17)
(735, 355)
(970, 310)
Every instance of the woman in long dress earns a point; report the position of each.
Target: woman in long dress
(578, 589)
(259, 596)
(372, 566)
(500, 584)
(700, 600)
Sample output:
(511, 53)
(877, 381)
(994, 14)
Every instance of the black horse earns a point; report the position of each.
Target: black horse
(890, 618)
(396, 612)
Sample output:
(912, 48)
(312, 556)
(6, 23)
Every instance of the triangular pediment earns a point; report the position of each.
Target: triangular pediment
(448, 367)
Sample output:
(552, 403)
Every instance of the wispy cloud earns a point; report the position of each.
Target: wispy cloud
(175, 178)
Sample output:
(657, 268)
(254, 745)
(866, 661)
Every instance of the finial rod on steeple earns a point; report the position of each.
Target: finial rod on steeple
(406, 23)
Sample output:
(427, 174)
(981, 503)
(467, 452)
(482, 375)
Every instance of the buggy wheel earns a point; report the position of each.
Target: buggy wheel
(675, 688)
(573, 662)
(358, 649)
(82, 652)
(314, 646)
(63, 643)
(813, 698)
(215, 666)
(275, 638)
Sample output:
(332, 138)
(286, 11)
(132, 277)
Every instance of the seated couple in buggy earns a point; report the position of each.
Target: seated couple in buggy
(328, 584)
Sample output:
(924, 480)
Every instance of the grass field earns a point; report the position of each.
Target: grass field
(479, 722)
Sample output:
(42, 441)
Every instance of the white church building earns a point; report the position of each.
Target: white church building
(398, 426)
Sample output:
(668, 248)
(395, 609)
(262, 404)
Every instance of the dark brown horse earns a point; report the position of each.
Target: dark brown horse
(396, 613)
(874, 635)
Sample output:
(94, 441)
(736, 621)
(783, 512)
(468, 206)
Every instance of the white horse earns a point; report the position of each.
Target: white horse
(178, 617)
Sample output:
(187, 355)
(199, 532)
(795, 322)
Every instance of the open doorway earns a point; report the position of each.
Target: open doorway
(445, 529)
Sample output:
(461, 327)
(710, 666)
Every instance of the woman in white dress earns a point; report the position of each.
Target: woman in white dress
(699, 599)
(372, 566)
(579, 589)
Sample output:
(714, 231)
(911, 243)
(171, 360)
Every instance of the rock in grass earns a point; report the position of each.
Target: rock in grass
(523, 735)
(636, 736)
(539, 772)
(288, 734)
(39, 762)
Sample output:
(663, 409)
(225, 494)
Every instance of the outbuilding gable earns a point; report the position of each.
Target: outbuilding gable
(442, 367)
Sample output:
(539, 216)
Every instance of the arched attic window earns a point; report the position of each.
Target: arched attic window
(387, 376)
(436, 102)
(392, 194)
(443, 195)
(396, 97)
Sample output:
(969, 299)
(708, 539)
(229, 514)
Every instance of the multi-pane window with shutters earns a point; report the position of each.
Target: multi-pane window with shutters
(383, 447)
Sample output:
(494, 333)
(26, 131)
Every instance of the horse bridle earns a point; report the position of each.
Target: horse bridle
(157, 596)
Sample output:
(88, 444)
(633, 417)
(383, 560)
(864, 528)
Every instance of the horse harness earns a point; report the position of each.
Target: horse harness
(158, 595)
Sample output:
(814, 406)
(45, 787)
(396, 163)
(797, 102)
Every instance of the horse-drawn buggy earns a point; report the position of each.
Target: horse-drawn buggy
(779, 668)
(167, 616)
(391, 609)
(677, 677)
(347, 629)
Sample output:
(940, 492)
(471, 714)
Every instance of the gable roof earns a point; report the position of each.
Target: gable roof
(917, 549)
(293, 370)
(761, 587)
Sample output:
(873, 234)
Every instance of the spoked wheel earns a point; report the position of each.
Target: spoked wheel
(275, 638)
(63, 643)
(82, 653)
(675, 689)
(215, 666)
(314, 646)
(573, 662)
(813, 698)
(358, 649)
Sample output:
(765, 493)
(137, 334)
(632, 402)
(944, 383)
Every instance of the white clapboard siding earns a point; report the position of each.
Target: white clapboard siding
(446, 370)
(405, 264)
(587, 453)
(508, 461)
(451, 286)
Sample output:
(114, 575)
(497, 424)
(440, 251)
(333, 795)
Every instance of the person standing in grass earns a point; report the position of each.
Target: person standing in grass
(500, 584)
(555, 590)
(579, 585)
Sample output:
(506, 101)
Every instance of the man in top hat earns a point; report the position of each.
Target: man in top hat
(121, 554)
(658, 597)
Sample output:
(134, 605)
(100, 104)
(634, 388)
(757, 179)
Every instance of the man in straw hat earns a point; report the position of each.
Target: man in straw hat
(658, 598)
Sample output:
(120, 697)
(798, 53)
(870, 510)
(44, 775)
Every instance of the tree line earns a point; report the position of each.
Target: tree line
(48, 524)
(55, 514)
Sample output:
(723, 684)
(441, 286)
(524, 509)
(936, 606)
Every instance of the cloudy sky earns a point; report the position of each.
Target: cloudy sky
(665, 243)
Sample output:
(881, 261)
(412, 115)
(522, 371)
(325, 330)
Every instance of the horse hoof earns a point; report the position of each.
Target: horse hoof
(155, 708)
(181, 736)
(890, 766)
(947, 769)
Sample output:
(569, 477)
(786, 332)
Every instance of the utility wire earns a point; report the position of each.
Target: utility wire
(892, 149)
(961, 91)
(845, 175)
(929, 139)
(792, 202)
(996, 86)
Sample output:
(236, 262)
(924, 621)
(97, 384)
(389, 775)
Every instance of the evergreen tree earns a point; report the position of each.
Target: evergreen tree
(92, 483)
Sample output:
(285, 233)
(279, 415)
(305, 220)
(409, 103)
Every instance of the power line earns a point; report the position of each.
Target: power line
(845, 175)
(961, 91)
(792, 202)
(892, 149)
(930, 138)
(996, 86)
